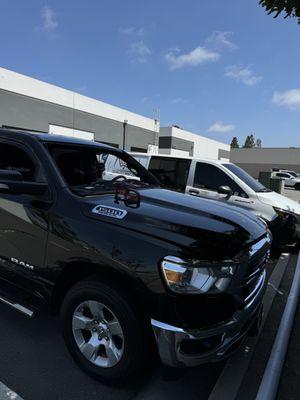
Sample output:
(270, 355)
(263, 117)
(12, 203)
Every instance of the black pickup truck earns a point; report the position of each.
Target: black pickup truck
(130, 267)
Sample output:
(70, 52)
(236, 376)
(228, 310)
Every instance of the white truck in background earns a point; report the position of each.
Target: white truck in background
(226, 182)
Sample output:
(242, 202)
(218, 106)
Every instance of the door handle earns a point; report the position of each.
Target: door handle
(194, 191)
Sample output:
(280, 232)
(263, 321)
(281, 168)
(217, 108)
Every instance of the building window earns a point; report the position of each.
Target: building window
(71, 132)
(108, 143)
(138, 149)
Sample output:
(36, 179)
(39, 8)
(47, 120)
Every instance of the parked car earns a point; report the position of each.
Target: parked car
(290, 180)
(226, 182)
(128, 265)
(293, 173)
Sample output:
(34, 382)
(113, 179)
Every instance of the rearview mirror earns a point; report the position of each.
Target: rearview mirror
(225, 190)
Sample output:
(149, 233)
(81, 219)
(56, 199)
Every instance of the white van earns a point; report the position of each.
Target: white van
(224, 181)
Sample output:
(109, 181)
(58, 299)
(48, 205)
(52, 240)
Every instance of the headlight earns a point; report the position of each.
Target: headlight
(197, 277)
(283, 213)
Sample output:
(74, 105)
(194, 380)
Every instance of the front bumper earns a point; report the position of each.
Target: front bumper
(187, 348)
(285, 230)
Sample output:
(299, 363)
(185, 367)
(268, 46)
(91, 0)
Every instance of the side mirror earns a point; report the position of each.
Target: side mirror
(225, 190)
(11, 182)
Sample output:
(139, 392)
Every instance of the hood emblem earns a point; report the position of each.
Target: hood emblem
(109, 211)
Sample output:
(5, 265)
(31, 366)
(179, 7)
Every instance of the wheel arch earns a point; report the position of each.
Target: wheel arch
(75, 272)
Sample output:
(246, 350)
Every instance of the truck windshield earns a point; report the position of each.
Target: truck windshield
(245, 177)
(90, 170)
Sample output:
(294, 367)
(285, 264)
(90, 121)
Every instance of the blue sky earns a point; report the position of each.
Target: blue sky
(220, 69)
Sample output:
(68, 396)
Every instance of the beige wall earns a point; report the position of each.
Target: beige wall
(254, 169)
(264, 159)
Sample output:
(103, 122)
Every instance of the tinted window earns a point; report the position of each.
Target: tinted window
(210, 177)
(90, 170)
(15, 159)
(115, 165)
(292, 173)
(281, 175)
(171, 172)
(245, 177)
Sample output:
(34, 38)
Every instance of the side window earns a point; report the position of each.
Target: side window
(210, 177)
(281, 175)
(15, 159)
(171, 172)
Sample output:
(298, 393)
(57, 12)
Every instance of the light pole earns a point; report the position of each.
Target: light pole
(124, 133)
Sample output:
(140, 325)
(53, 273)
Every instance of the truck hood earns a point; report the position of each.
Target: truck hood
(277, 200)
(203, 227)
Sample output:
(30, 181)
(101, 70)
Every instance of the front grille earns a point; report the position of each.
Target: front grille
(251, 287)
(255, 275)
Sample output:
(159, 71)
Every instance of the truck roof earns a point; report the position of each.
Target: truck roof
(46, 137)
(209, 160)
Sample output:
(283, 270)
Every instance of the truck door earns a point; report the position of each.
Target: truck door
(23, 222)
(207, 180)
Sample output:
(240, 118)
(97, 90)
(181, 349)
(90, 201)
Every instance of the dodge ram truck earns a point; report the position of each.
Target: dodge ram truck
(133, 269)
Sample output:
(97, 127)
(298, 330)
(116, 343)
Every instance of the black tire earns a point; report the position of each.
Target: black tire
(136, 338)
(297, 186)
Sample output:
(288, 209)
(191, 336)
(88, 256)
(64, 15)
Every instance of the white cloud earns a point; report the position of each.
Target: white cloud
(289, 99)
(243, 74)
(178, 100)
(194, 58)
(220, 40)
(220, 127)
(49, 19)
(140, 52)
(131, 30)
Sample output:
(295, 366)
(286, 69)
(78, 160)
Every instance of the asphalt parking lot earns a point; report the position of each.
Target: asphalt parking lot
(292, 194)
(36, 365)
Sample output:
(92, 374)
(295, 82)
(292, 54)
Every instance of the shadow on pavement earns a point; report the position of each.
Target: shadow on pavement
(36, 365)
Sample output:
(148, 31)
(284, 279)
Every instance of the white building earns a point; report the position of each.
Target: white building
(30, 104)
(176, 141)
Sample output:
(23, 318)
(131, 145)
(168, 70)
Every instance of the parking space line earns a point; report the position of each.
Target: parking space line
(229, 382)
(8, 394)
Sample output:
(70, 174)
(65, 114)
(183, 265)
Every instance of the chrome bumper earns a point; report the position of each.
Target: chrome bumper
(178, 347)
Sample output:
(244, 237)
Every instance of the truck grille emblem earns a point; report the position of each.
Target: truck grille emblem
(109, 212)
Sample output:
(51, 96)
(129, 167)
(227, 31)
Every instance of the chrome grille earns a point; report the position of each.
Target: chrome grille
(259, 255)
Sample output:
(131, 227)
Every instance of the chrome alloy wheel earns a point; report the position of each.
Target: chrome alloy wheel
(98, 334)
